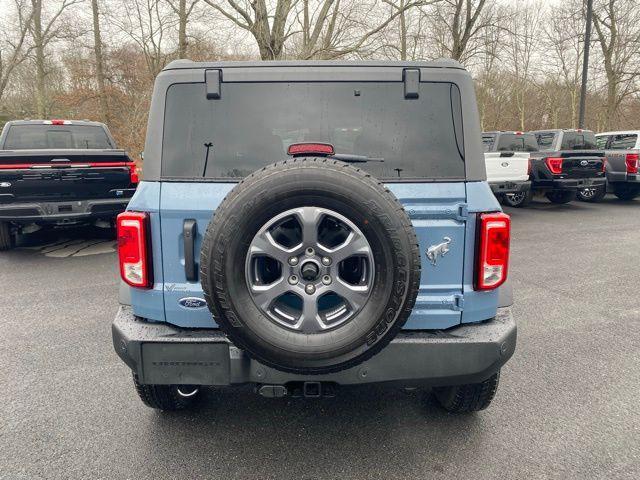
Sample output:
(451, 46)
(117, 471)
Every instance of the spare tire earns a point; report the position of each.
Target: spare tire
(310, 265)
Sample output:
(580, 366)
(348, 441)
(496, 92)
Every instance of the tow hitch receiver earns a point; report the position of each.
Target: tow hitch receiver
(299, 389)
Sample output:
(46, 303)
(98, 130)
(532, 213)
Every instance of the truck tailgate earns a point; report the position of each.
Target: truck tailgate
(507, 166)
(30, 175)
(582, 163)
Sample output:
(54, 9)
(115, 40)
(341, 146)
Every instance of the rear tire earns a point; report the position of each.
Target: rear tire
(166, 397)
(592, 195)
(6, 238)
(518, 200)
(468, 398)
(626, 192)
(560, 197)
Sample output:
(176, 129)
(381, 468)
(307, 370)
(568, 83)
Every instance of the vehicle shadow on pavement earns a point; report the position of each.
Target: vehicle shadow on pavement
(70, 242)
(318, 435)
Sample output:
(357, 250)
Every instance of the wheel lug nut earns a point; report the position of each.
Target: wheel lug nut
(293, 261)
(310, 289)
(326, 261)
(310, 251)
(326, 280)
(293, 279)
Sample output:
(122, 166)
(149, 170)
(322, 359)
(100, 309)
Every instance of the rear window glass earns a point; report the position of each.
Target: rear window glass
(578, 141)
(487, 142)
(601, 141)
(545, 140)
(511, 142)
(27, 137)
(252, 125)
(623, 142)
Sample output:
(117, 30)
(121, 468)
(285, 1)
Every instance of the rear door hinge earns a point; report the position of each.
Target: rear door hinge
(458, 302)
(212, 79)
(411, 78)
(463, 212)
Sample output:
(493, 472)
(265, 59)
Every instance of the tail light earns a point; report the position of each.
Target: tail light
(310, 149)
(528, 166)
(493, 250)
(57, 121)
(632, 162)
(554, 164)
(133, 249)
(133, 173)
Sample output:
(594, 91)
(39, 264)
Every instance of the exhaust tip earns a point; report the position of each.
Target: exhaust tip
(187, 391)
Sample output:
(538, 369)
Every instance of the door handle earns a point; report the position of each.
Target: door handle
(190, 230)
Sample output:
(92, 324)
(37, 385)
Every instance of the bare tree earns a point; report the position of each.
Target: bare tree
(43, 32)
(183, 9)
(148, 23)
(97, 50)
(458, 26)
(253, 16)
(13, 50)
(564, 33)
(617, 26)
(491, 95)
(523, 46)
(329, 28)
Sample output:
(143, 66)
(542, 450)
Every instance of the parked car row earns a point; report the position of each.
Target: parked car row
(562, 165)
(58, 173)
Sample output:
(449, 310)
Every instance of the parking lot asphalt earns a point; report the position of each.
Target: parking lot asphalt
(567, 406)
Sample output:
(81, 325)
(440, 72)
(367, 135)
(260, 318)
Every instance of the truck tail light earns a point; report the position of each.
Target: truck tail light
(133, 173)
(529, 166)
(554, 164)
(133, 249)
(493, 250)
(632, 162)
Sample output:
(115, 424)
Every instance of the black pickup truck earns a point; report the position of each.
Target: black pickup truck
(568, 161)
(59, 173)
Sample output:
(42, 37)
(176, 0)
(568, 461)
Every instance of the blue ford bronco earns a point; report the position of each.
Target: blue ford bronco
(307, 225)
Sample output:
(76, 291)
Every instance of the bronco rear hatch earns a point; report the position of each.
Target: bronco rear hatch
(402, 125)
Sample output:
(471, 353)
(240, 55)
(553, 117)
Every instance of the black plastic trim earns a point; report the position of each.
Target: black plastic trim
(213, 78)
(190, 230)
(468, 353)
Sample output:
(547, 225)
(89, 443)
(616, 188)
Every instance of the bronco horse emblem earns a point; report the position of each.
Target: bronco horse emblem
(440, 249)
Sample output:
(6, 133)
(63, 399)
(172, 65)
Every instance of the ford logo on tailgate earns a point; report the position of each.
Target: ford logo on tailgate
(192, 302)
(584, 163)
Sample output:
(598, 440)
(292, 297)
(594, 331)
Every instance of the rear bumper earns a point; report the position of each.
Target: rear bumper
(163, 354)
(568, 183)
(62, 212)
(510, 187)
(623, 177)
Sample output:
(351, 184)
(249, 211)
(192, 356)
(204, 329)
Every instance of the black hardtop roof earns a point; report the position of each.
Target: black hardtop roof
(189, 64)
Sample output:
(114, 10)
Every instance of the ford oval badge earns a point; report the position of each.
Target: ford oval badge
(192, 302)
(584, 163)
